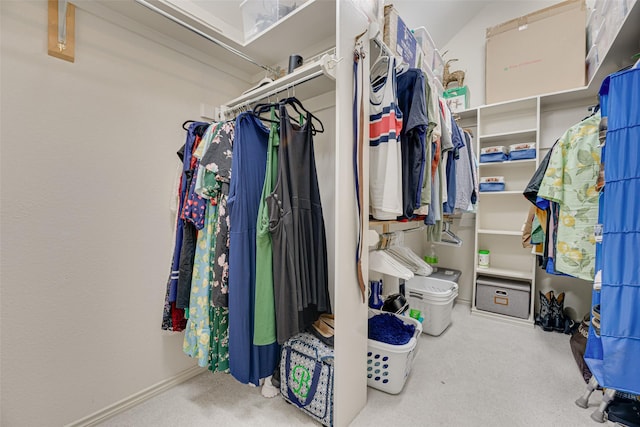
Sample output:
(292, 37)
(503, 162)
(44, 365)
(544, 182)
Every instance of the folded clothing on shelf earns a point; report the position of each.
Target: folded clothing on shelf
(492, 183)
(496, 153)
(522, 151)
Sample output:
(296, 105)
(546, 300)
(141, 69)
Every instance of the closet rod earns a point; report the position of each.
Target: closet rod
(274, 73)
(273, 91)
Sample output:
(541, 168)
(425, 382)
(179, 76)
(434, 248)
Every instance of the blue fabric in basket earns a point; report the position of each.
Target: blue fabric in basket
(493, 157)
(388, 329)
(523, 154)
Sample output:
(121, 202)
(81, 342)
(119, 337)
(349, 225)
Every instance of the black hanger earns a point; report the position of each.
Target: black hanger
(264, 108)
(184, 125)
(295, 104)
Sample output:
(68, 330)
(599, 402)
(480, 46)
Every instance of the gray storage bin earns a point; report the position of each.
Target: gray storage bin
(503, 296)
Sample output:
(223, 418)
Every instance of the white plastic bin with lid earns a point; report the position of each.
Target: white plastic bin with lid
(434, 298)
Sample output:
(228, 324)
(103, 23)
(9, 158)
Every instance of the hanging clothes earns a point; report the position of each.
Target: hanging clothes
(431, 136)
(412, 103)
(214, 177)
(300, 271)
(197, 335)
(265, 316)
(247, 362)
(213, 180)
(193, 214)
(570, 180)
(172, 317)
(385, 156)
(457, 139)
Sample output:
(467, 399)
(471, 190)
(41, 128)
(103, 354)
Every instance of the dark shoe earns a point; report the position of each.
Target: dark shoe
(557, 313)
(545, 319)
(595, 319)
(625, 412)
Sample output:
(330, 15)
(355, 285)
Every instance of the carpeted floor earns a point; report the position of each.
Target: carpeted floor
(479, 372)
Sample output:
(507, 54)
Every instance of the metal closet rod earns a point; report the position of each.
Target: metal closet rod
(276, 90)
(207, 36)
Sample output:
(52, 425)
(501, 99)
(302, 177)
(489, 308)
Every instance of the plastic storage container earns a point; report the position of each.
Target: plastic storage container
(388, 366)
(444, 273)
(258, 15)
(425, 42)
(434, 298)
(509, 297)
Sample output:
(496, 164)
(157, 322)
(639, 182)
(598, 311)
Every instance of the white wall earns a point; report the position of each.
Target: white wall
(468, 45)
(87, 168)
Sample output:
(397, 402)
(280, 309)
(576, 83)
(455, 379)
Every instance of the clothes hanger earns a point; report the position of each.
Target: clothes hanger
(378, 69)
(262, 108)
(295, 104)
(448, 237)
(184, 125)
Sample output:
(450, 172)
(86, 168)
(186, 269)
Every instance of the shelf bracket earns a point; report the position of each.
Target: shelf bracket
(62, 30)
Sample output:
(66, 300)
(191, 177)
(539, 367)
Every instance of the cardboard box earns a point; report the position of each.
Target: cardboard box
(398, 37)
(539, 53)
(457, 98)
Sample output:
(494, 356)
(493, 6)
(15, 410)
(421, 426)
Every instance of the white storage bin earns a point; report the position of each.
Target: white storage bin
(258, 15)
(438, 66)
(434, 298)
(388, 366)
(425, 42)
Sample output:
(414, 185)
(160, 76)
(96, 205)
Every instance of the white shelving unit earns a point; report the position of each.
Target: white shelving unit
(500, 214)
(540, 119)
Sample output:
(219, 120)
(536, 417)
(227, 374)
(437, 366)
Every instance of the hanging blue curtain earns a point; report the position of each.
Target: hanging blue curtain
(614, 356)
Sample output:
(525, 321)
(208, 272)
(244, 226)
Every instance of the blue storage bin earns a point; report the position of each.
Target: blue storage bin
(491, 183)
(496, 153)
(523, 154)
(491, 186)
(522, 151)
(493, 157)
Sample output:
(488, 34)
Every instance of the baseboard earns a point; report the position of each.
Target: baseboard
(463, 302)
(137, 398)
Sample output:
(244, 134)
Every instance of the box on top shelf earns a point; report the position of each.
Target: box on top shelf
(398, 37)
(457, 98)
(536, 53)
(258, 15)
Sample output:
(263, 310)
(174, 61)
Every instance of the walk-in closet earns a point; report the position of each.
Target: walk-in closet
(319, 212)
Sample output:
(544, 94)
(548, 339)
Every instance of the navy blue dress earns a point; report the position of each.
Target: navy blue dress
(247, 362)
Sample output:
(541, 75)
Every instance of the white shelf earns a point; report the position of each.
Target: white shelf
(504, 318)
(502, 193)
(509, 136)
(316, 84)
(503, 272)
(500, 232)
(508, 163)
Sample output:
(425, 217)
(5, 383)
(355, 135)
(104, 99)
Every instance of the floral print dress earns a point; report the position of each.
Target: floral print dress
(207, 333)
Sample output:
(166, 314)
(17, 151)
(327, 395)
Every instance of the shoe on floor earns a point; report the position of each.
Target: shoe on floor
(624, 412)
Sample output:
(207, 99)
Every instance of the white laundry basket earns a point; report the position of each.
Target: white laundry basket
(388, 365)
(434, 298)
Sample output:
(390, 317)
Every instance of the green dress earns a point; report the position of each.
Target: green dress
(264, 332)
